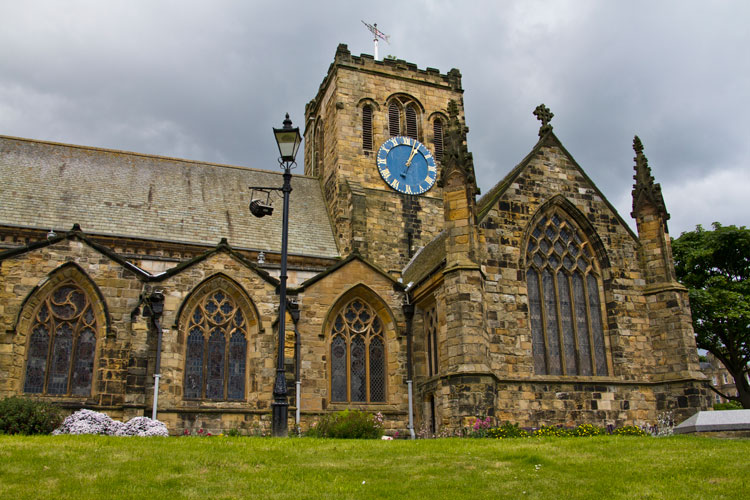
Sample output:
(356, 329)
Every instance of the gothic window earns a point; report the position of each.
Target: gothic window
(564, 306)
(411, 121)
(216, 354)
(62, 344)
(437, 133)
(357, 355)
(431, 327)
(319, 145)
(367, 127)
(394, 120)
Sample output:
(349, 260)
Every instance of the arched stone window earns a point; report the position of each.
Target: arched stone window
(394, 119)
(217, 330)
(411, 121)
(367, 127)
(62, 343)
(564, 288)
(358, 355)
(437, 138)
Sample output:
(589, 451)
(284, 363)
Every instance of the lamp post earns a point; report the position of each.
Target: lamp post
(288, 140)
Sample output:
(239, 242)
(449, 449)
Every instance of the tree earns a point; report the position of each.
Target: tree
(715, 267)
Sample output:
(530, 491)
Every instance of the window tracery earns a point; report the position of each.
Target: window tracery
(564, 300)
(357, 355)
(216, 353)
(62, 344)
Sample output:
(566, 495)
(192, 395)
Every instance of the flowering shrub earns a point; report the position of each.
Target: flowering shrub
(92, 422)
(587, 430)
(630, 430)
(26, 416)
(479, 428)
(348, 424)
(143, 427)
(507, 430)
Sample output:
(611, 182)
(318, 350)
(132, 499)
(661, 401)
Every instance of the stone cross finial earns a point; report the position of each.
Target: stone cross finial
(544, 115)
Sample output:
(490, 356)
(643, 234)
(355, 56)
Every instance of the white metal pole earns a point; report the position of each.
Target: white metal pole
(296, 402)
(376, 47)
(157, 376)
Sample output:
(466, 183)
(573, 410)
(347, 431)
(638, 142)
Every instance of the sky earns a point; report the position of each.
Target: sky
(207, 80)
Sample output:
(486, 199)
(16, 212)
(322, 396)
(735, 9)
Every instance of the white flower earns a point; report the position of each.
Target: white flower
(387, 438)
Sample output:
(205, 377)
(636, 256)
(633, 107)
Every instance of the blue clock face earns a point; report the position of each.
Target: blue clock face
(406, 165)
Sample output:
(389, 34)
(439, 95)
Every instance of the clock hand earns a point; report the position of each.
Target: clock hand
(411, 156)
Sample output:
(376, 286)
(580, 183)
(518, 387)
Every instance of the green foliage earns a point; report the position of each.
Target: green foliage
(234, 433)
(507, 430)
(26, 416)
(715, 266)
(588, 430)
(729, 405)
(348, 424)
(630, 430)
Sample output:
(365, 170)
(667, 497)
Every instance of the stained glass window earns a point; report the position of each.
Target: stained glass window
(565, 315)
(357, 355)
(216, 353)
(62, 344)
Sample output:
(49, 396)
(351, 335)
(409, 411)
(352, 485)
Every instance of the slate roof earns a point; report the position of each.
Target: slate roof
(425, 260)
(49, 185)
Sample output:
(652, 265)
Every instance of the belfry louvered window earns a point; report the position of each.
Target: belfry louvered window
(437, 133)
(431, 344)
(411, 122)
(367, 127)
(216, 354)
(357, 355)
(394, 120)
(62, 344)
(564, 305)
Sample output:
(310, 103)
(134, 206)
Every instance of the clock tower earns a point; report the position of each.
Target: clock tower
(374, 139)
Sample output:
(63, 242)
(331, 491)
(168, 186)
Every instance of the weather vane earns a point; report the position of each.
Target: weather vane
(376, 33)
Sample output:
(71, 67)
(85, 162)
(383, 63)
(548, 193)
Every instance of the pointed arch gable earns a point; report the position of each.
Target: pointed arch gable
(70, 271)
(564, 205)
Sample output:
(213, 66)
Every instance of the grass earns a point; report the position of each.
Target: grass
(83, 467)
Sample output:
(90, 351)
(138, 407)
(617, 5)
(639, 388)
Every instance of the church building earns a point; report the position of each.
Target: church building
(410, 293)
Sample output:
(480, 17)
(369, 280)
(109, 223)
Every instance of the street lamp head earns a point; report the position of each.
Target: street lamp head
(288, 139)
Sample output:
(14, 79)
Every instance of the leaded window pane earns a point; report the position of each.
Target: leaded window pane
(377, 370)
(338, 369)
(564, 313)
(535, 315)
(216, 354)
(237, 356)
(194, 364)
(357, 355)
(596, 326)
(36, 366)
(215, 368)
(358, 378)
(566, 319)
(550, 316)
(582, 324)
(62, 344)
(83, 368)
(61, 356)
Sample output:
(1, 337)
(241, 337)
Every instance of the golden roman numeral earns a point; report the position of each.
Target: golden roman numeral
(408, 189)
(385, 173)
(394, 184)
(382, 161)
(432, 169)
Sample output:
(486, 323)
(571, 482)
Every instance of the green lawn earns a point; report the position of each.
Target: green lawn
(100, 467)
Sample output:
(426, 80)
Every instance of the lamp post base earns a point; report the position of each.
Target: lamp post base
(280, 424)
